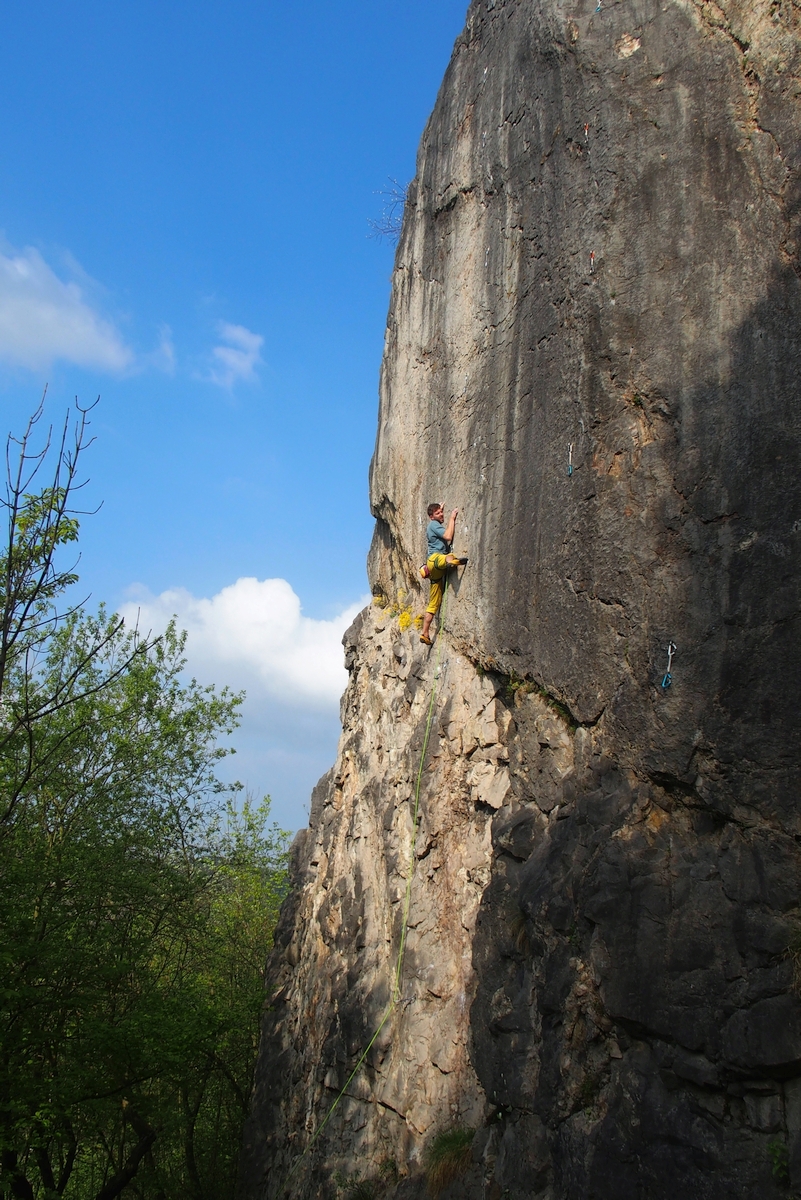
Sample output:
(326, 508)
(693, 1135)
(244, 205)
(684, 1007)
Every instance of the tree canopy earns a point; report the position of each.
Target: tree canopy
(137, 893)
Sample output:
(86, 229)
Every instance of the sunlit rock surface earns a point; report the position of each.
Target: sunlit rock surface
(599, 269)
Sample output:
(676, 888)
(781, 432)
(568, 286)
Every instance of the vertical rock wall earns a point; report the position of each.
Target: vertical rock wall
(331, 975)
(599, 267)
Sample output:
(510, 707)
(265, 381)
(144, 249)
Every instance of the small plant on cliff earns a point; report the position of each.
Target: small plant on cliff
(353, 1187)
(400, 608)
(388, 1171)
(515, 686)
(389, 224)
(777, 1149)
(365, 1189)
(589, 1090)
(559, 708)
(793, 952)
(449, 1156)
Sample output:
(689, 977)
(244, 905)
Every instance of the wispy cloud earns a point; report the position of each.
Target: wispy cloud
(235, 362)
(163, 357)
(43, 318)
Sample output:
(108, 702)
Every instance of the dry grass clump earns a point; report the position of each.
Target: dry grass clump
(449, 1156)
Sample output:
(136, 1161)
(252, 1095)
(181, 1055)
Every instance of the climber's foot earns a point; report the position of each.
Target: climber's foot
(426, 640)
(463, 561)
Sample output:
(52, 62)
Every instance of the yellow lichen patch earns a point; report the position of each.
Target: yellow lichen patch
(656, 819)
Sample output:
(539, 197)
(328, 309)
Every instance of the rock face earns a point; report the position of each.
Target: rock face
(599, 269)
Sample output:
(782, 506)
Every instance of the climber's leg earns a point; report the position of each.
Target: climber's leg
(437, 590)
(437, 566)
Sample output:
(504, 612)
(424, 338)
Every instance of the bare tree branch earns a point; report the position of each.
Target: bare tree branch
(147, 1137)
(390, 223)
(39, 523)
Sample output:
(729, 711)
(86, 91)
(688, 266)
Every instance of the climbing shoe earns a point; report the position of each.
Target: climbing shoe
(424, 571)
(426, 640)
(463, 560)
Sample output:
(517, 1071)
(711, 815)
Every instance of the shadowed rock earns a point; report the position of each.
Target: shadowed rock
(606, 877)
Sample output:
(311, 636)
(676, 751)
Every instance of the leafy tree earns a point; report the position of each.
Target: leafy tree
(32, 581)
(137, 900)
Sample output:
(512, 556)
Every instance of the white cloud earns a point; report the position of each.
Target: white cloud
(237, 361)
(253, 634)
(42, 318)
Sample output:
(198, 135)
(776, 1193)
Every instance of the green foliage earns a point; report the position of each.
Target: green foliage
(357, 1187)
(793, 952)
(589, 1090)
(777, 1149)
(354, 1187)
(137, 906)
(402, 608)
(35, 684)
(513, 686)
(137, 899)
(388, 1171)
(448, 1157)
(365, 1189)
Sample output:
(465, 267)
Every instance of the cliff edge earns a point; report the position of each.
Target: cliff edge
(593, 351)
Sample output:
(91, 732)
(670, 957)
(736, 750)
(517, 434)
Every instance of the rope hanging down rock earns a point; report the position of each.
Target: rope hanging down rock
(398, 971)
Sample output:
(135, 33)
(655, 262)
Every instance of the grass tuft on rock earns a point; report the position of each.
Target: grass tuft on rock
(449, 1156)
(365, 1189)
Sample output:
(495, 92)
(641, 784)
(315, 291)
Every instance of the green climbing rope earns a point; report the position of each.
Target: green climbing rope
(398, 972)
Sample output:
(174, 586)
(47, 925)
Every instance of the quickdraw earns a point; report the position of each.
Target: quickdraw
(667, 678)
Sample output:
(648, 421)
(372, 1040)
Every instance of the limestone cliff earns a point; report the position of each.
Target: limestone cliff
(599, 269)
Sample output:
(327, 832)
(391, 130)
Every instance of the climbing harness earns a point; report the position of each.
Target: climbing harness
(570, 458)
(398, 971)
(667, 678)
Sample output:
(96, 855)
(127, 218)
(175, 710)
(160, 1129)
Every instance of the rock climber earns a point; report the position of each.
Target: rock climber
(439, 560)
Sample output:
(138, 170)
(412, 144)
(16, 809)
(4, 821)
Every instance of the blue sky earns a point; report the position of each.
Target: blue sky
(184, 208)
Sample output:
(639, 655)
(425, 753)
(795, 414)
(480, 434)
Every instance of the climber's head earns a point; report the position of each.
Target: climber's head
(435, 511)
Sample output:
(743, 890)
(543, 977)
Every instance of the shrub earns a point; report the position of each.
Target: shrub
(449, 1156)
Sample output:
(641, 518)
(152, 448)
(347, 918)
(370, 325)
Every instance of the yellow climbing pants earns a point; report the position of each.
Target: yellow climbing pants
(437, 565)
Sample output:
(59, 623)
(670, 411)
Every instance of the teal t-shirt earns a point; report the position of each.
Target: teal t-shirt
(435, 536)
